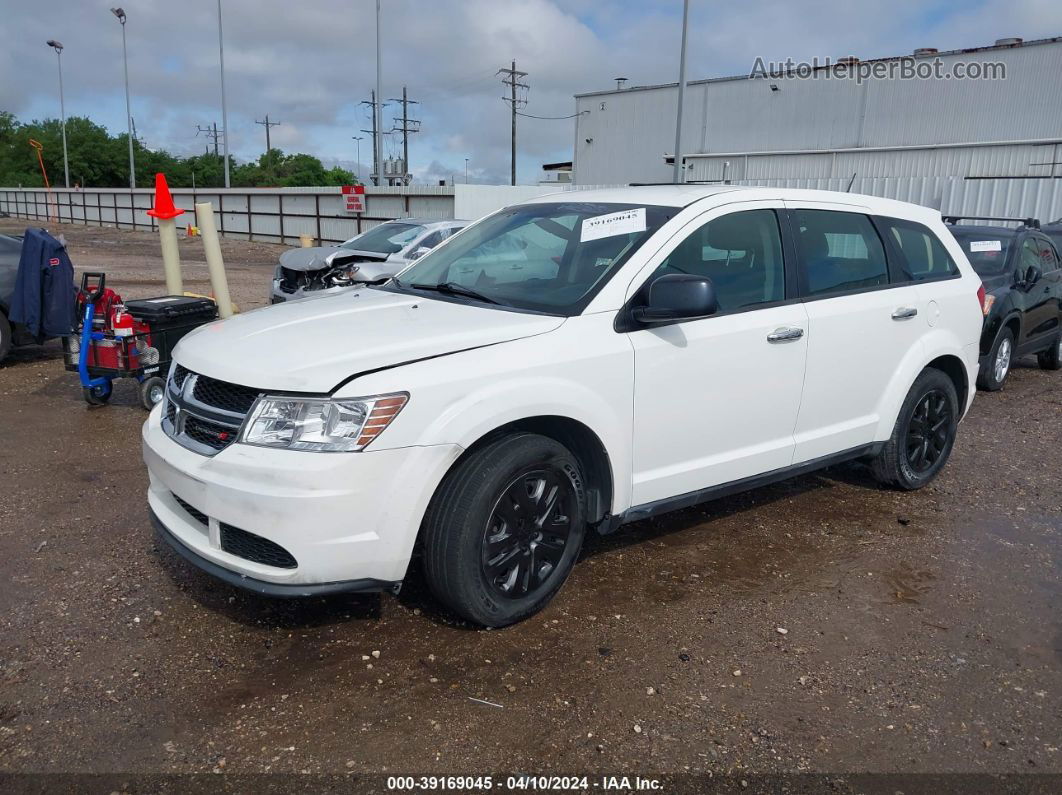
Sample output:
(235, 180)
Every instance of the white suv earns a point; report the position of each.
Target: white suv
(635, 351)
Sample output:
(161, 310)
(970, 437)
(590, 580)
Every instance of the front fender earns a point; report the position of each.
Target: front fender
(581, 371)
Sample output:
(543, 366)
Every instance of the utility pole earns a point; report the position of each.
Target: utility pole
(408, 126)
(377, 109)
(377, 140)
(211, 132)
(512, 79)
(267, 124)
(224, 108)
(677, 174)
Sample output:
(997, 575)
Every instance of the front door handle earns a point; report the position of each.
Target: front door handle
(904, 313)
(785, 334)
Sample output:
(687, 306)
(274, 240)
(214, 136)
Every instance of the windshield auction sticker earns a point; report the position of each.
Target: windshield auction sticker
(625, 222)
(985, 245)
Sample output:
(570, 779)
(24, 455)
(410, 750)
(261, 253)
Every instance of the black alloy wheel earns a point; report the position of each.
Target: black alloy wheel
(527, 532)
(928, 431)
(504, 529)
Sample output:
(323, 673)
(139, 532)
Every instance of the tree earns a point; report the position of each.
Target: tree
(98, 159)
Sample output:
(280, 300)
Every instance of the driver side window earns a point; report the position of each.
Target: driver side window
(741, 253)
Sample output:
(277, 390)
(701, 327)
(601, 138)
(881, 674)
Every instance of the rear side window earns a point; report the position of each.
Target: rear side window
(839, 252)
(922, 255)
(1048, 256)
(741, 253)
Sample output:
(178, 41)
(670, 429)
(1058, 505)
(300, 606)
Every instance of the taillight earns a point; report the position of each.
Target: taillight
(985, 306)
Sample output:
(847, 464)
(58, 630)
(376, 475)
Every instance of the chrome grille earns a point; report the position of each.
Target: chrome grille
(203, 413)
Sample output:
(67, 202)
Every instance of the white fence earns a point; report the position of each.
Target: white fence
(277, 215)
(282, 214)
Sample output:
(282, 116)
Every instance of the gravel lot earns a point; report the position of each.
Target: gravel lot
(818, 625)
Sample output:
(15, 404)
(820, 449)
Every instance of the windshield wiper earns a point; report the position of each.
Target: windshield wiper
(452, 288)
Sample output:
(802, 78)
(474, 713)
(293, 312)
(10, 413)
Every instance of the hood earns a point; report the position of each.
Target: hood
(312, 346)
(314, 259)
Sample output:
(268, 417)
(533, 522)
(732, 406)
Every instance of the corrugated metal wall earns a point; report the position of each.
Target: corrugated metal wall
(623, 136)
(1014, 198)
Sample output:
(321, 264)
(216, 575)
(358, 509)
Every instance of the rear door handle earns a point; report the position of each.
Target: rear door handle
(785, 334)
(904, 313)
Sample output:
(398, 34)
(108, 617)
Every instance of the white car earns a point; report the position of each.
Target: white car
(371, 257)
(636, 350)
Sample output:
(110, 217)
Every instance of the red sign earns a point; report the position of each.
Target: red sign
(354, 198)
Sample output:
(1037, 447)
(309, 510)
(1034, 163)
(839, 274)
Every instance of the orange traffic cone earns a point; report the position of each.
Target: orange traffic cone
(163, 208)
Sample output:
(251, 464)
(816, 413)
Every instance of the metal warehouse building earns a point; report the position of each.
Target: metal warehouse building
(988, 146)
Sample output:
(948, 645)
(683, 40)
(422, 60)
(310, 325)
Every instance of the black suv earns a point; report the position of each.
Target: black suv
(1022, 275)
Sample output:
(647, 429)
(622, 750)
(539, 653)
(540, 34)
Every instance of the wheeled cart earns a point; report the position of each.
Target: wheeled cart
(105, 348)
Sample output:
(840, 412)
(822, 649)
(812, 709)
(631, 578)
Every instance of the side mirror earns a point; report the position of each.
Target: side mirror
(1032, 275)
(678, 296)
(420, 252)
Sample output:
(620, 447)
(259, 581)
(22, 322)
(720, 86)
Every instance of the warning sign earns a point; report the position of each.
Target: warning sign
(354, 198)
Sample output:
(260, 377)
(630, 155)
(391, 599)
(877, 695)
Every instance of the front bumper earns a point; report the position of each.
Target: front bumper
(278, 296)
(347, 519)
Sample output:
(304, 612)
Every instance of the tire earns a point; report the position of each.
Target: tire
(97, 395)
(996, 366)
(151, 391)
(1051, 359)
(5, 337)
(487, 554)
(924, 434)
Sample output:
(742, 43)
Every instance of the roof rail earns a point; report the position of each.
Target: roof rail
(1031, 223)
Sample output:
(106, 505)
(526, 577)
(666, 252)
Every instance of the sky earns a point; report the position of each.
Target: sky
(311, 64)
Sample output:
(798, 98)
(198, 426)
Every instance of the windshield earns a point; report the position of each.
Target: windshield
(389, 238)
(540, 257)
(987, 251)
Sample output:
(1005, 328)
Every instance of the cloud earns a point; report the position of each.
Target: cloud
(310, 65)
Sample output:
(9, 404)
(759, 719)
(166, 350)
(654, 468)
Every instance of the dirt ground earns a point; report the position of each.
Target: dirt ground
(819, 625)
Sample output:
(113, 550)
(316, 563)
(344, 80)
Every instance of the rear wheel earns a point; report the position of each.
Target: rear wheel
(924, 434)
(504, 529)
(5, 337)
(1051, 359)
(996, 366)
(151, 391)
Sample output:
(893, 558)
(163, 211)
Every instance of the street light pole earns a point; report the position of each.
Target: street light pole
(358, 161)
(58, 47)
(378, 105)
(677, 175)
(466, 170)
(120, 14)
(224, 110)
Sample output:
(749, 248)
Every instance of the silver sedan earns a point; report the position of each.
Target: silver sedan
(370, 258)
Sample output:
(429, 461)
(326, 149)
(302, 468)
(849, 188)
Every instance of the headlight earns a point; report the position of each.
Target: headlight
(321, 424)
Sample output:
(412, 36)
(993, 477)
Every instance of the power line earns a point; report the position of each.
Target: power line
(267, 124)
(512, 79)
(572, 116)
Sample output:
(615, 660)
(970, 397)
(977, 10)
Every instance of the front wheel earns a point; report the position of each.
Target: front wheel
(504, 529)
(97, 395)
(923, 436)
(1051, 359)
(5, 337)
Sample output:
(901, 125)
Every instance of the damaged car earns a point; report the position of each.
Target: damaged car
(372, 257)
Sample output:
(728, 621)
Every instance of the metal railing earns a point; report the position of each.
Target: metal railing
(278, 215)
